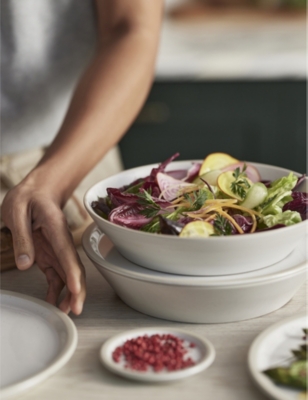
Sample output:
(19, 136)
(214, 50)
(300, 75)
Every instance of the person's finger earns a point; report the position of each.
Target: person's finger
(65, 303)
(77, 301)
(68, 258)
(20, 226)
(55, 285)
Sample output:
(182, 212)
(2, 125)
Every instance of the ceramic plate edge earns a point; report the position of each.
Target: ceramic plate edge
(61, 359)
(208, 360)
(262, 381)
(249, 282)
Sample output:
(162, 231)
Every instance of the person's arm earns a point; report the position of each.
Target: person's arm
(110, 93)
(107, 99)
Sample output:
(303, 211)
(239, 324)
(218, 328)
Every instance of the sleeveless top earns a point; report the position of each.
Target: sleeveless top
(45, 46)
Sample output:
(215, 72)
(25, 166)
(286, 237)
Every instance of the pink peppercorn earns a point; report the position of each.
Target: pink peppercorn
(158, 352)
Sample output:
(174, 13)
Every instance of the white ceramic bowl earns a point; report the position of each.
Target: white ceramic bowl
(193, 299)
(195, 256)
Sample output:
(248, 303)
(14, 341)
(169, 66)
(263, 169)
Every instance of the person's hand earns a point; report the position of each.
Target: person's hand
(40, 234)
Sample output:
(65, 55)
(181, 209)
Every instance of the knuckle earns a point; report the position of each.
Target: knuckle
(21, 242)
(53, 278)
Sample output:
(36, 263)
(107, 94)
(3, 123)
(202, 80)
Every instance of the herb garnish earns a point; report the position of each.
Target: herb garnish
(222, 226)
(196, 199)
(151, 208)
(240, 185)
(152, 226)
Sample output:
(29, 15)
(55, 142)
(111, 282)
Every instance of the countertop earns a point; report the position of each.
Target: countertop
(233, 44)
(104, 315)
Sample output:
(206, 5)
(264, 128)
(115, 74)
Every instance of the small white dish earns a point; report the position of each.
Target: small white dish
(203, 354)
(36, 340)
(197, 299)
(271, 349)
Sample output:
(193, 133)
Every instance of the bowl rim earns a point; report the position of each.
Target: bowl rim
(176, 238)
(193, 281)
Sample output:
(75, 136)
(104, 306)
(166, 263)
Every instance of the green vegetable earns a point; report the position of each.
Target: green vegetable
(255, 195)
(286, 218)
(152, 227)
(151, 208)
(295, 375)
(279, 193)
(197, 198)
(135, 188)
(298, 372)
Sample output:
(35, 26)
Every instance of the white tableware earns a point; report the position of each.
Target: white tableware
(272, 348)
(196, 299)
(37, 340)
(203, 354)
(196, 256)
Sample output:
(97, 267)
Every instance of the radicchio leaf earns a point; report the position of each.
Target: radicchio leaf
(169, 227)
(193, 172)
(151, 187)
(244, 222)
(128, 215)
(118, 198)
(299, 204)
(100, 207)
(299, 181)
(177, 173)
(161, 168)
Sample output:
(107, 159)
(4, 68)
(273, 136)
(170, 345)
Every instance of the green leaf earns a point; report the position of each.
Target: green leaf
(286, 218)
(151, 208)
(152, 227)
(279, 193)
(222, 226)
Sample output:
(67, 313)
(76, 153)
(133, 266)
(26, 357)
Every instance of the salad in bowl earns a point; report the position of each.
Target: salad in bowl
(216, 216)
(221, 196)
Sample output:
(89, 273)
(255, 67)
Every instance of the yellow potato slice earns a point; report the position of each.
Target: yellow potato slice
(197, 229)
(216, 161)
(224, 183)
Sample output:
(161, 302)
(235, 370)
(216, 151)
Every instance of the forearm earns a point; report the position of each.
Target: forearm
(106, 101)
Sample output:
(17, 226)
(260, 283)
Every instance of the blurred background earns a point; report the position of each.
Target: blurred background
(230, 77)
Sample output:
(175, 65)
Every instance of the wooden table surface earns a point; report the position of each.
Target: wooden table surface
(104, 315)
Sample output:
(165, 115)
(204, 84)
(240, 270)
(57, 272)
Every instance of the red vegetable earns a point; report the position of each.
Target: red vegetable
(159, 352)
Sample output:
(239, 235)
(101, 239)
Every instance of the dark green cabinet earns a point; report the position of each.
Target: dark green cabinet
(262, 121)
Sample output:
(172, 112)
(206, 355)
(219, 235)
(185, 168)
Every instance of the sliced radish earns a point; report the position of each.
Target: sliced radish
(251, 172)
(170, 187)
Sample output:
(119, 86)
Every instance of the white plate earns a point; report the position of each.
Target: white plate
(100, 249)
(272, 348)
(203, 354)
(192, 299)
(37, 340)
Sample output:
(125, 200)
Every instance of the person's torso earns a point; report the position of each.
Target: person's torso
(46, 45)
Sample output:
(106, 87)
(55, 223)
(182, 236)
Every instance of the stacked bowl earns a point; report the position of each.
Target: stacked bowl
(197, 280)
